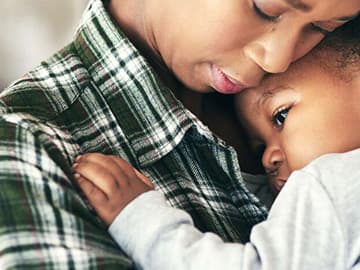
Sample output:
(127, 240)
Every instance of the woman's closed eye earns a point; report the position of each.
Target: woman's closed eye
(262, 14)
(279, 116)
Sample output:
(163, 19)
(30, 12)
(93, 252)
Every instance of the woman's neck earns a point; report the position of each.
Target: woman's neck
(134, 19)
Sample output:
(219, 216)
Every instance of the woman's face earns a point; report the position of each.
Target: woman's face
(294, 117)
(228, 45)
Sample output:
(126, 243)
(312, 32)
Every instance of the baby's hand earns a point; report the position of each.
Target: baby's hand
(109, 183)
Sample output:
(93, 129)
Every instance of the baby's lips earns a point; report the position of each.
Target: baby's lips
(279, 183)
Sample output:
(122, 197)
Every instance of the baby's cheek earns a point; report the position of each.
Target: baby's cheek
(299, 154)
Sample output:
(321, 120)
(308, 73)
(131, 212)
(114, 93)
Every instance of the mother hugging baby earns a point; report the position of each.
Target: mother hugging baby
(304, 124)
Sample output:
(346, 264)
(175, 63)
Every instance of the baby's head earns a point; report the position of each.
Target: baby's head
(310, 110)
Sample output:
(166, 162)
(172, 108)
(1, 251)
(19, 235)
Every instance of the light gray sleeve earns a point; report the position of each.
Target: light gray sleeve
(303, 231)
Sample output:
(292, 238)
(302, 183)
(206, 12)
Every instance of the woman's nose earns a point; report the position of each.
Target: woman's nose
(272, 159)
(273, 51)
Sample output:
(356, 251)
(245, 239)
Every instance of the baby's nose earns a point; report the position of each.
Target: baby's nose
(272, 159)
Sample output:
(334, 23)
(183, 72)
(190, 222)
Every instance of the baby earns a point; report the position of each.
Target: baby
(310, 110)
(292, 119)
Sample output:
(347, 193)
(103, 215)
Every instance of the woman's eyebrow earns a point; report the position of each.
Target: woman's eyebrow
(297, 4)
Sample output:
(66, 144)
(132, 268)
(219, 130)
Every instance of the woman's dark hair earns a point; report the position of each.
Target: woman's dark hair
(341, 49)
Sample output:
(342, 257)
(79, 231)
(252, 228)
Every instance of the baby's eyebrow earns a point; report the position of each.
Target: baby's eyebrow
(264, 97)
(270, 93)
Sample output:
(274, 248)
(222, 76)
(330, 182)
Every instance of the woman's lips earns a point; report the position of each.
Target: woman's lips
(224, 83)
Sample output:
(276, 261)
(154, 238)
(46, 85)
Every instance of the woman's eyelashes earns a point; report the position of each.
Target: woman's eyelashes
(262, 14)
(327, 27)
(279, 116)
(321, 30)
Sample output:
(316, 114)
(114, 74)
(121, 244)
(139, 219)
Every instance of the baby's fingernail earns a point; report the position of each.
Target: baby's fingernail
(78, 158)
(77, 175)
(75, 165)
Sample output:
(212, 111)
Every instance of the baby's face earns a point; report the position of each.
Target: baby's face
(295, 117)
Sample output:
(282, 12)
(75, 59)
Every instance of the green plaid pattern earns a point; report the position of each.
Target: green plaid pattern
(99, 94)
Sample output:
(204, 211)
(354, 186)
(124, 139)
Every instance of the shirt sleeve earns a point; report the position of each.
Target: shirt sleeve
(44, 222)
(302, 232)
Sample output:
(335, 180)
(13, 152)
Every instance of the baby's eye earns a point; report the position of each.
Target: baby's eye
(279, 116)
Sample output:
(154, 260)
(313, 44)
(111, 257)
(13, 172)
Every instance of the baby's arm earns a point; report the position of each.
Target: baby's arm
(301, 231)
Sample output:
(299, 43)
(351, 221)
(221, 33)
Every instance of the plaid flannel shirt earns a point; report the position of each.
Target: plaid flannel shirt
(99, 94)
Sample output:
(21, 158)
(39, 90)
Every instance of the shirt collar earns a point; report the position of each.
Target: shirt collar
(122, 73)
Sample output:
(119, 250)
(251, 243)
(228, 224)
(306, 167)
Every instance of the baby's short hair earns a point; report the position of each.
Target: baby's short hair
(339, 52)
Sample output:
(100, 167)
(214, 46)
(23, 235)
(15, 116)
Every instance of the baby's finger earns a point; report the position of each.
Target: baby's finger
(125, 166)
(132, 172)
(143, 178)
(98, 175)
(105, 161)
(93, 193)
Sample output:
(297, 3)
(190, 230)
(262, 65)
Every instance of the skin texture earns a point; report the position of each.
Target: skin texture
(295, 117)
(227, 46)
